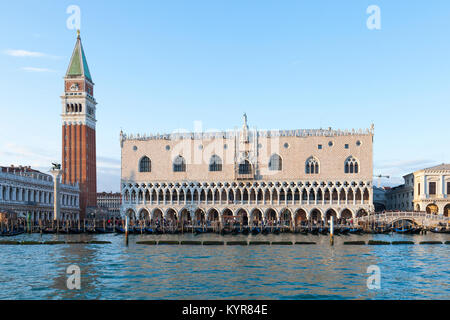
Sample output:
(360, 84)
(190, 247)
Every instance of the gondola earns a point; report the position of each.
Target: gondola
(265, 231)
(323, 230)
(158, 231)
(344, 230)
(224, 232)
(355, 231)
(198, 231)
(256, 231)
(235, 231)
(303, 231)
(63, 231)
(75, 231)
(100, 230)
(416, 230)
(276, 231)
(12, 233)
(314, 231)
(245, 231)
(138, 230)
(403, 230)
(440, 230)
(148, 230)
(91, 230)
(48, 231)
(120, 229)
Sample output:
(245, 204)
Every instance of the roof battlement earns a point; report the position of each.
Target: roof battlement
(301, 133)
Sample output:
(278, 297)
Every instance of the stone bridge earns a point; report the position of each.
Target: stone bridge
(420, 218)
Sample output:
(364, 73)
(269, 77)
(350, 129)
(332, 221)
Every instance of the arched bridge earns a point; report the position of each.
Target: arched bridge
(420, 218)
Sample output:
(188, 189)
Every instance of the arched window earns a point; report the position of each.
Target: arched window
(275, 163)
(312, 166)
(351, 165)
(145, 164)
(80, 108)
(179, 164)
(245, 167)
(215, 163)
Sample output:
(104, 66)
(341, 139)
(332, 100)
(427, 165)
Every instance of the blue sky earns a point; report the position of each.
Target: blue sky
(161, 65)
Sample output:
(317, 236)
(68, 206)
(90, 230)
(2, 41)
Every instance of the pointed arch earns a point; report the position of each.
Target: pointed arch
(312, 165)
(179, 164)
(215, 163)
(275, 162)
(351, 165)
(145, 164)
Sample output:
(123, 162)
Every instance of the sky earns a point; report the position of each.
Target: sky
(159, 66)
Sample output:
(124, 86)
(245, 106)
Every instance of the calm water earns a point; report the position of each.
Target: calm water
(115, 271)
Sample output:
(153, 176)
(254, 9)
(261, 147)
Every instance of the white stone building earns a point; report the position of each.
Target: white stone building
(401, 198)
(282, 175)
(26, 191)
(432, 190)
(111, 202)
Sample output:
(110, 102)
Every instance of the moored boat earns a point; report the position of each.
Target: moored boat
(256, 230)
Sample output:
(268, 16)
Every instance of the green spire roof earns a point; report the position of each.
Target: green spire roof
(78, 64)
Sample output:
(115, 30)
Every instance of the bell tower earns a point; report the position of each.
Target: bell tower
(78, 129)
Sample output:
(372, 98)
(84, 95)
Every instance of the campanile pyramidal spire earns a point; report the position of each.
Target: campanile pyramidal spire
(78, 129)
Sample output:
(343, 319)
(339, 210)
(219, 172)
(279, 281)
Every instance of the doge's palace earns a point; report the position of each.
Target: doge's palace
(286, 176)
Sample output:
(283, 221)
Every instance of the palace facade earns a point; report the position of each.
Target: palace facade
(249, 175)
(25, 191)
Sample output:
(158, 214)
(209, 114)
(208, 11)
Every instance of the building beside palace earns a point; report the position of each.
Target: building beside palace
(400, 198)
(78, 129)
(252, 175)
(379, 198)
(25, 191)
(432, 190)
(111, 202)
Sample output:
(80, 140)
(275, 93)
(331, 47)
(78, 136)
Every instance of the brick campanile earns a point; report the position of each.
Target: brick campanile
(78, 129)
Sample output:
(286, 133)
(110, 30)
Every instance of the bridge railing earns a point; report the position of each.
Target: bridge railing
(401, 214)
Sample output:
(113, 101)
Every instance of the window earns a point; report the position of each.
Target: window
(215, 163)
(418, 189)
(312, 166)
(245, 167)
(358, 143)
(351, 165)
(275, 163)
(319, 147)
(432, 188)
(448, 187)
(145, 164)
(330, 143)
(346, 146)
(179, 165)
(286, 145)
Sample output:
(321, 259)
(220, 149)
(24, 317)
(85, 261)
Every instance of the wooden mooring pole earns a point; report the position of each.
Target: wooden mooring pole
(331, 231)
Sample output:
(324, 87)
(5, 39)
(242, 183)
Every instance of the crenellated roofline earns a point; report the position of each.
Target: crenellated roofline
(254, 132)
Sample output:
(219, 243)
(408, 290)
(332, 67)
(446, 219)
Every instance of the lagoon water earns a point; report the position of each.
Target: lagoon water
(116, 271)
